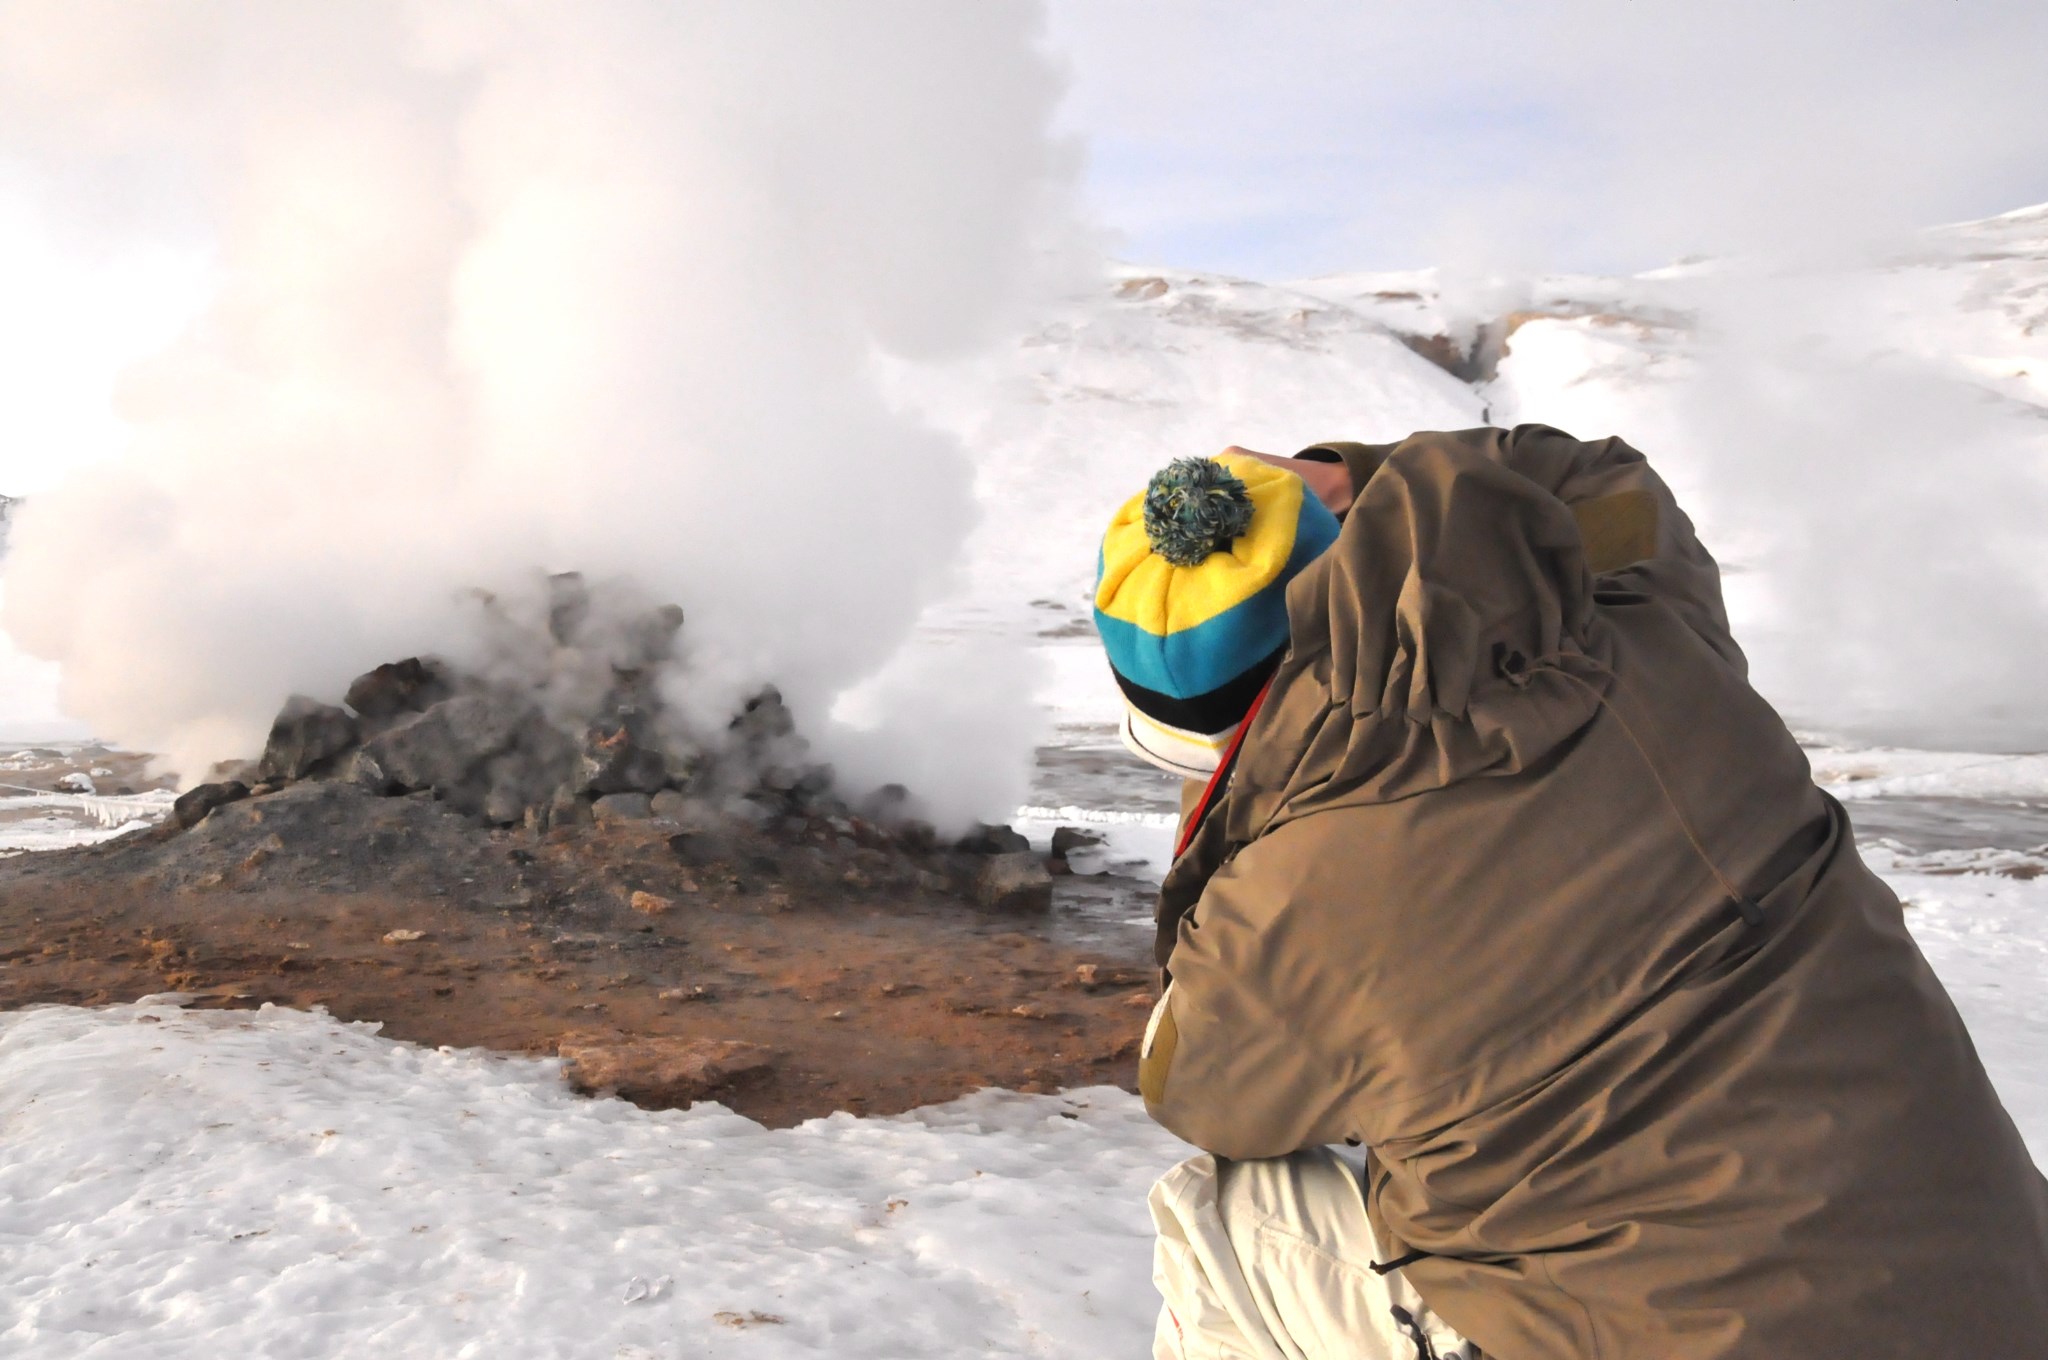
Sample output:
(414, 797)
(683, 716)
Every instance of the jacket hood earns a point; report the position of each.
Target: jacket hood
(1448, 634)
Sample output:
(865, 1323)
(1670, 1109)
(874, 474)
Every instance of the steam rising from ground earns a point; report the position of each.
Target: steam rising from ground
(1893, 508)
(1874, 469)
(506, 289)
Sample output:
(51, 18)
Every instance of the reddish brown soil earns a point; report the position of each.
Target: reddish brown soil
(874, 1000)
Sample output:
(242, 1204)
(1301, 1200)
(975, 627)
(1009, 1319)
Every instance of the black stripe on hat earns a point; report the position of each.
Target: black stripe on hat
(1218, 710)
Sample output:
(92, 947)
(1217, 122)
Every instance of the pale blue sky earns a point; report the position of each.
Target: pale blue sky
(1604, 135)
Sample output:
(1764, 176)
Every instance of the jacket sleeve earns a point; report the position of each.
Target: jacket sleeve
(1241, 1058)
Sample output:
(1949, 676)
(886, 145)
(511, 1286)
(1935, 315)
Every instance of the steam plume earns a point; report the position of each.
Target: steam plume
(509, 288)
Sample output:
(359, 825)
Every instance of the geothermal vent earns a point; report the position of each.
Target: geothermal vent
(565, 722)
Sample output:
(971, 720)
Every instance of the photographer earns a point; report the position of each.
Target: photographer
(1503, 874)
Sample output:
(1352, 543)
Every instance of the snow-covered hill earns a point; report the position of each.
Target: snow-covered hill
(1863, 445)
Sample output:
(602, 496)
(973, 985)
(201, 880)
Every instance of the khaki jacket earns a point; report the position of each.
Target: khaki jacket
(1480, 895)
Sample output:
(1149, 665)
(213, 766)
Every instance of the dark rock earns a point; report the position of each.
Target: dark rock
(568, 808)
(1015, 882)
(886, 806)
(919, 838)
(699, 849)
(764, 719)
(993, 840)
(506, 804)
(618, 757)
(670, 806)
(306, 737)
(660, 1072)
(364, 769)
(650, 638)
(685, 770)
(621, 807)
(1067, 839)
(445, 747)
(194, 804)
(568, 607)
(391, 691)
(527, 775)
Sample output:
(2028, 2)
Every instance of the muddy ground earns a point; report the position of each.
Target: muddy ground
(876, 985)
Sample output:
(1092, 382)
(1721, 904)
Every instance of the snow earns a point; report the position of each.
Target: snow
(1883, 772)
(32, 820)
(1986, 934)
(278, 1183)
(1136, 844)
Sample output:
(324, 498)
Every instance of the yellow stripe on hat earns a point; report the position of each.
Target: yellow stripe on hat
(1143, 589)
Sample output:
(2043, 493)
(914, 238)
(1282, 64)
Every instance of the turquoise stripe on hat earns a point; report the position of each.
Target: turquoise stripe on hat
(1197, 660)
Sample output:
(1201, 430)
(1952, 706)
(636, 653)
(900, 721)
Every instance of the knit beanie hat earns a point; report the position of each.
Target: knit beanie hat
(1191, 600)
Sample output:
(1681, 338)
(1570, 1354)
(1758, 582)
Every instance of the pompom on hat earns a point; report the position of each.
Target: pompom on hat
(1191, 600)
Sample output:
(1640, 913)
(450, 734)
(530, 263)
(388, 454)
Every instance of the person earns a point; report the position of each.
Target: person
(1526, 996)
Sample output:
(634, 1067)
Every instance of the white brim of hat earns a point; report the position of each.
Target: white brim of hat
(1191, 755)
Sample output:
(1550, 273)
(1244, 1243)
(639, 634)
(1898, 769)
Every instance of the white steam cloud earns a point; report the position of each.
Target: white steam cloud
(506, 288)
(1890, 505)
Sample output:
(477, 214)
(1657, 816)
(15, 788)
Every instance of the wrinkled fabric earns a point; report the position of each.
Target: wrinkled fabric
(1476, 897)
(1273, 1260)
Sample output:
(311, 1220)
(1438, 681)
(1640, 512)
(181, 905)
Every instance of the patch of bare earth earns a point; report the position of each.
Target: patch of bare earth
(787, 977)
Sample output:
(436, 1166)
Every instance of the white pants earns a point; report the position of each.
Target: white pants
(1271, 1260)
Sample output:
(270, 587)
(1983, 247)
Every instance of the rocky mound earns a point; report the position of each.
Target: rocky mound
(502, 753)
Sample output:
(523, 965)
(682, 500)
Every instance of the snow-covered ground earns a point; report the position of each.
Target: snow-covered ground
(176, 1182)
(51, 821)
(179, 1183)
(203, 1183)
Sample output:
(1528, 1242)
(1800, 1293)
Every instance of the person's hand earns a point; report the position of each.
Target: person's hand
(1331, 482)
